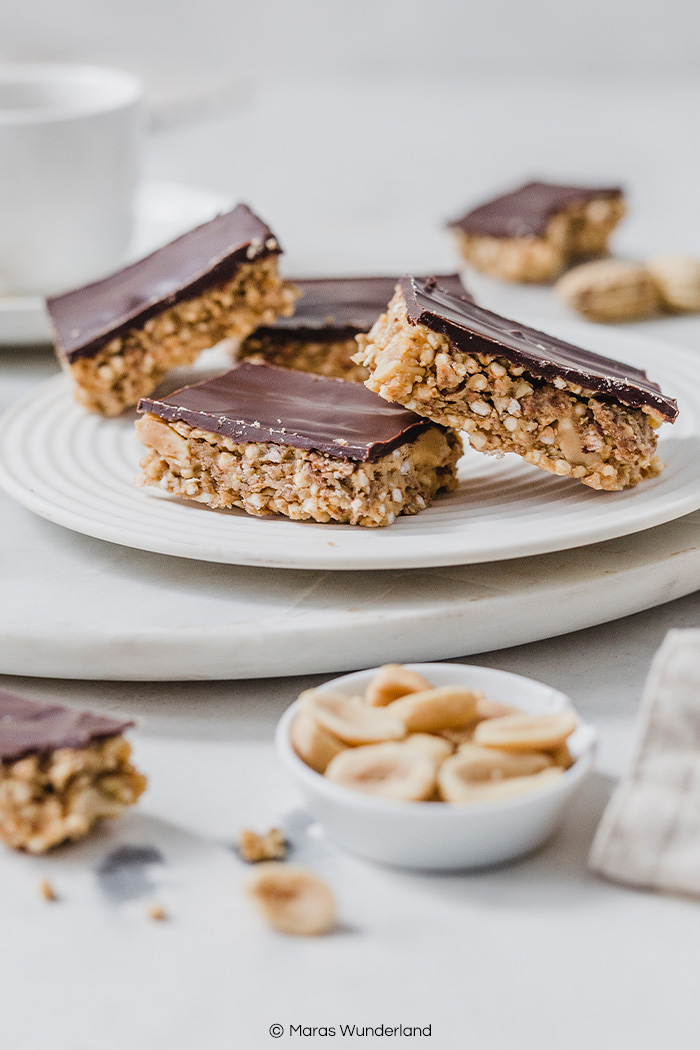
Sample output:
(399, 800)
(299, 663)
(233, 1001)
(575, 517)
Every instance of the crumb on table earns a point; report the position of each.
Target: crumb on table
(156, 912)
(253, 847)
(46, 890)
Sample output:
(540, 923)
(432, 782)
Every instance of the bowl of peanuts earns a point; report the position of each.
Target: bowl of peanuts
(436, 766)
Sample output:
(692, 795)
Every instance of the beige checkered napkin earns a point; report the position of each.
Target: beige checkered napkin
(650, 833)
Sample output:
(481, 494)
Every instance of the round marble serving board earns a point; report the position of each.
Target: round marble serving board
(77, 607)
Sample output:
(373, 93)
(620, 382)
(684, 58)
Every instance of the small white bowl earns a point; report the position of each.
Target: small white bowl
(444, 835)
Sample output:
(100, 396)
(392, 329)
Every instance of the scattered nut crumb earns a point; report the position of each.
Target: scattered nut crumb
(47, 891)
(253, 847)
(156, 912)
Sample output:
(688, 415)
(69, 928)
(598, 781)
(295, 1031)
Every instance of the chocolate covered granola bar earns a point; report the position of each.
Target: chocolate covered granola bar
(274, 441)
(61, 771)
(320, 335)
(532, 233)
(514, 389)
(118, 337)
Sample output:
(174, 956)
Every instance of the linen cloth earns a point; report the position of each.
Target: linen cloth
(649, 835)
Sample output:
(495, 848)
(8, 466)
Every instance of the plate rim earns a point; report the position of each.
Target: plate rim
(326, 556)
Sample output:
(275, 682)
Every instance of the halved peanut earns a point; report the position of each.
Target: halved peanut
(292, 899)
(677, 278)
(392, 771)
(487, 790)
(458, 736)
(610, 290)
(435, 747)
(350, 719)
(525, 732)
(561, 756)
(312, 743)
(393, 681)
(486, 708)
(479, 765)
(494, 763)
(448, 707)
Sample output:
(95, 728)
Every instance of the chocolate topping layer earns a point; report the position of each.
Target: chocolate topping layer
(28, 727)
(525, 212)
(264, 403)
(87, 318)
(333, 308)
(472, 329)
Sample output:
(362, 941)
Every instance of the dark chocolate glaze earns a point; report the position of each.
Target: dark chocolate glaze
(87, 318)
(472, 329)
(335, 308)
(269, 404)
(525, 212)
(28, 727)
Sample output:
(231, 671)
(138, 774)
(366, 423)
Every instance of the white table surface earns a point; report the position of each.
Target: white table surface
(537, 954)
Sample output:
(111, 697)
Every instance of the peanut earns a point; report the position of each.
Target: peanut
(610, 290)
(677, 278)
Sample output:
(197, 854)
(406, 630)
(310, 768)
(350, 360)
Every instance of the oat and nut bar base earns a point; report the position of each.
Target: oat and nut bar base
(320, 335)
(514, 389)
(61, 770)
(118, 337)
(534, 232)
(273, 441)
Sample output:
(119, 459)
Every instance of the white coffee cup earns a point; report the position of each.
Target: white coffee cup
(69, 160)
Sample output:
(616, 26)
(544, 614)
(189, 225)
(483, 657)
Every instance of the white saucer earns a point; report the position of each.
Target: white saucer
(77, 470)
(163, 211)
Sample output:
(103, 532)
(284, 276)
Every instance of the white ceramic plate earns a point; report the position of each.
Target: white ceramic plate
(163, 211)
(77, 470)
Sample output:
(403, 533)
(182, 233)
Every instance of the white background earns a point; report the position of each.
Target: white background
(331, 115)
(175, 44)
